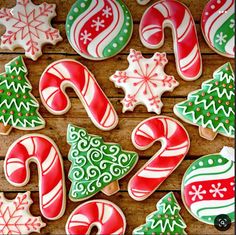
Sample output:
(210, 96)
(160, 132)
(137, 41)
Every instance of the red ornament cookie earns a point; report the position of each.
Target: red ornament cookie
(44, 152)
(108, 218)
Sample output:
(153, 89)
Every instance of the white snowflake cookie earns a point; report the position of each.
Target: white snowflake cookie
(28, 26)
(144, 81)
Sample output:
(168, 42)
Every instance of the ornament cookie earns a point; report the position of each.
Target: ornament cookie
(166, 220)
(143, 2)
(15, 215)
(218, 26)
(96, 165)
(175, 145)
(212, 108)
(18, 107)
(28, 26)
(177, 16)
(208, 186)
(144, 81)
(99, 29)
(44, 152)
(105, 215)
(70, 73)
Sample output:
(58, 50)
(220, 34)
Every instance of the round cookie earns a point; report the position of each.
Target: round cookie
(98, 30)
(218, 26)
(208, 187)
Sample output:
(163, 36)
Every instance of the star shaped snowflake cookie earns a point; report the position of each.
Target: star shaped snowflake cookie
(28, 26)
(15, 217)
(144, 81)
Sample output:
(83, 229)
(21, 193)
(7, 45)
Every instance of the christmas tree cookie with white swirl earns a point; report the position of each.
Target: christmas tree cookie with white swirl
(96, 165)
(99, 29)
(212, 108)
(18, 107)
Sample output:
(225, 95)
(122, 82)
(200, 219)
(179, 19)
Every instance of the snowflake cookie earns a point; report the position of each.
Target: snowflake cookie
(208, 186)
(28, 26)
(144, 81)
(15, 217)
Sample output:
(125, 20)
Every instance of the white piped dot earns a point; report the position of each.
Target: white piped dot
(200, 163)
(127, 17)
(114, 45)
(109, 50)
(212, 6)
(127, 23)
(76, 9)
(209, 218)
(82, 5)
(220, 160)
(125, 30)
(210, 161)
(218, 1)
(121, 38)
(194, 167)
(71, 17)
(206, 13)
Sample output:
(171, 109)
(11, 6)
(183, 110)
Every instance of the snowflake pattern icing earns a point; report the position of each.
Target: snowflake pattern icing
(107, 12)
(144, 81)
(85, 36)
(217, 190)
(15, 217)
(221, 38)
(232, 24)
(28, 26)
(98, 23)
(197, 192)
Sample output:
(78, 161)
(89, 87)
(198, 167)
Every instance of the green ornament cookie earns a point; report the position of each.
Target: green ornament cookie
(166, 220)
(100, 29)
(95, 165)
(18, 107)
(212, 108)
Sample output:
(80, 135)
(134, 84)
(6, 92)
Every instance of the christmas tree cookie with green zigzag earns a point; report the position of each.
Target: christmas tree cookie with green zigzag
(18, 107)
(212, 108)
(96, 165)
(166, 220)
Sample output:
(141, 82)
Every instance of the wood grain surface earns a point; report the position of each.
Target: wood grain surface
(135, 212)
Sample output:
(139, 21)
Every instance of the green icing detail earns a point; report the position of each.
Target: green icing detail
(213, 105)
(166, 220)
(18, 107)
(95, 164)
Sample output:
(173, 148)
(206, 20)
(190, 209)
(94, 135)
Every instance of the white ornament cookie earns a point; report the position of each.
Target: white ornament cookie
(28, 26)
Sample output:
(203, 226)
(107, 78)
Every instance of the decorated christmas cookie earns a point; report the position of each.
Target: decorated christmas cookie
(15, 217)
(177, 16)
(218, 26)
(99, 29)
(208, 186)
(175, 145)
(18, 107)
(28, 26)
(212, 108)
(166, 220)
(96, 165)
(70, 73)
(144, 81)
(105, 215)
(44, 152)
(143, 2)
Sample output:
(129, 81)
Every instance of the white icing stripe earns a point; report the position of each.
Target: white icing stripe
(47, 92)
(80, 218)
(147, 130)
(55, 72)
(162, 9)
(89, 95)
(100, 210)
(192, 62)
(185, 61)
(111, 118)
(12, 160)
(179, 146)
(106, 114)
(174, 152)
(86, 81)
(29, 145)
(228, 153)
(138, 194)
(14, 166)
(50, 101)
(55, 198)
(119, 231)
(150, 30)
(190, 27)
(181, 30)
(77, 223)
(172, 126)
(158, 168)
(153, 174)
(63, 70)
(107, 213)
(49, 196)
(229, 47)
(49, 160)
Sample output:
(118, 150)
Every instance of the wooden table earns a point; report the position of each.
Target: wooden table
(135, 212)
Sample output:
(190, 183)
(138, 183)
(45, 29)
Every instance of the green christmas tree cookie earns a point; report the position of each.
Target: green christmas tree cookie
(166, 220)
(212, 108)
(96, 165)
(18, 107)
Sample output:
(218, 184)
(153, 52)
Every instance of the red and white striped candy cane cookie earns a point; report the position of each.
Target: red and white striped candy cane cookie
(70, 73)
(175, 145)
(108, 218)
(177, 16)
(44, 152)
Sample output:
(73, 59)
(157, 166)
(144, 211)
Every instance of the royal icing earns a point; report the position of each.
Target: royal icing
(166, 220)
(18, 107)
(218, 26)
(70, 73)
(208, 188)
(99, 29)
(105, 215)
(28, 26)
(186, 48)
(212, 106)
(144, 81)
(143, 2)
(175, 145)
(44, 152)
(15, 216)
(95, 164)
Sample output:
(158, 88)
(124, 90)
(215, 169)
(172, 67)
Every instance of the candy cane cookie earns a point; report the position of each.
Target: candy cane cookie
(175, 145)
(44, 152)
(105, 215)
(177, 16)
(70, 73)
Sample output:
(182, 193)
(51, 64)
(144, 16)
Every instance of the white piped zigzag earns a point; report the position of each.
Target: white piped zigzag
(17, 70)
(16, 86)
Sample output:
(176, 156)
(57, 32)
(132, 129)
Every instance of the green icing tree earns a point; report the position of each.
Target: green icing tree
(212, 107)
(18, 108)
(96, 165)
(165, 221)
